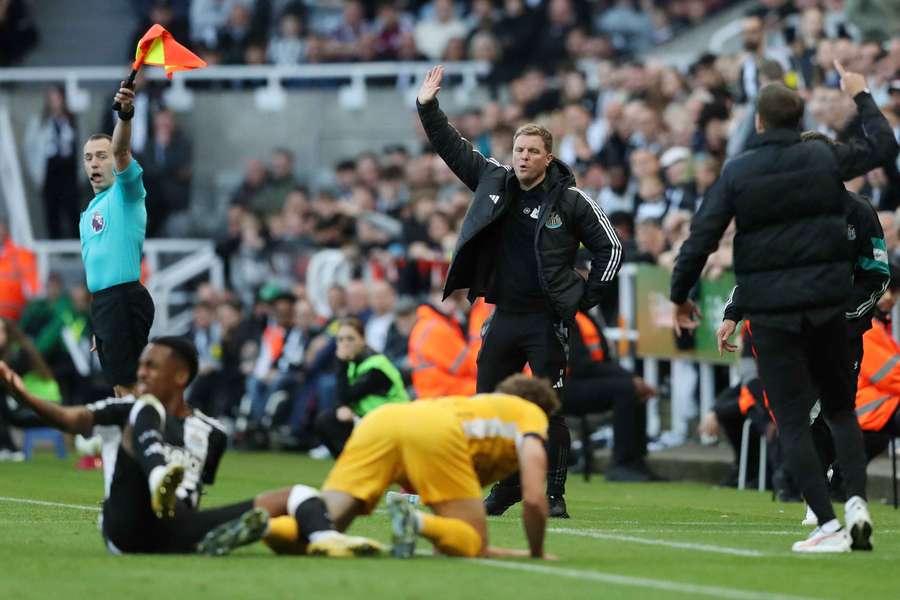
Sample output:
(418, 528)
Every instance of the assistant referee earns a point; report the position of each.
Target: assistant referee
(112, 230)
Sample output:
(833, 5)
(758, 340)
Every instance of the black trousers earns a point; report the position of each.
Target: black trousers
(542, 340)
(136, 530)
(334, 432)
(820, 432)
(121, 316)
(794, 369)
(616, 392)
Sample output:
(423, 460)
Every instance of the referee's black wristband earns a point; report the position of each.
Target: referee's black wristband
(126, 116)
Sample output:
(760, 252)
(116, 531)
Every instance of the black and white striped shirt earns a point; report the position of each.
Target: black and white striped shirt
(197, 442)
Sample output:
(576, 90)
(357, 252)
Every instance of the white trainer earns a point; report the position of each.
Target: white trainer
(856, 515)
(820, 542)
(811, 520)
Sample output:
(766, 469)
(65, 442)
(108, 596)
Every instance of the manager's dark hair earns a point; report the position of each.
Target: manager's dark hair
(183, 350)
(779, 107)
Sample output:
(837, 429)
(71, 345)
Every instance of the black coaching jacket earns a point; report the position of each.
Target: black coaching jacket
(791, 257)
(568, 218)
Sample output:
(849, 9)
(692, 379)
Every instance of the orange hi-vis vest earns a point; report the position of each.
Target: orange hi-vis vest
(878, 387)
(18, 279)
(590, 335)
(442, 362)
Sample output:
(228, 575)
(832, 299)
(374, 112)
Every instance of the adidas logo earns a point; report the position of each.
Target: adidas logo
(494, 198)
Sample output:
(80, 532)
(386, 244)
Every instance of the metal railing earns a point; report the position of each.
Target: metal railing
(690, 379)
(271, 97)
(193, 258)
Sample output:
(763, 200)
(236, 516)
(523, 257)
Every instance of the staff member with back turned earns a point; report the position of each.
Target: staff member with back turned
(794, 271)
(517, 248)
(112, 230)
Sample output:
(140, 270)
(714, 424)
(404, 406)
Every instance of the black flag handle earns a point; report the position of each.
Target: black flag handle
(130, 85)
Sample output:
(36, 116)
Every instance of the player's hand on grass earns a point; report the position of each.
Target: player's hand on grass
(431, 85)
(852, 83)
(686, 316)
(723, 334)
(125, 98)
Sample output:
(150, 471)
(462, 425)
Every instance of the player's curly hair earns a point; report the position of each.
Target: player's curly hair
(533, 389)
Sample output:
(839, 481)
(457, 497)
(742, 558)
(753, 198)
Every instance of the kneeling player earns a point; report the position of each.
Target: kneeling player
(446, 449)
(158, 453)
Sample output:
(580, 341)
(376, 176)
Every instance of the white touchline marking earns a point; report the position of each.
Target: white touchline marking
(642, 582)
(46, 503)
(601, 535)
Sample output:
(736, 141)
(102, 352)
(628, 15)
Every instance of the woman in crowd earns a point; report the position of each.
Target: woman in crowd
(365, 381)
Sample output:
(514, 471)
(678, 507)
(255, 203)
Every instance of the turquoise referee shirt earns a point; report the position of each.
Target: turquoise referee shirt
(112, 230)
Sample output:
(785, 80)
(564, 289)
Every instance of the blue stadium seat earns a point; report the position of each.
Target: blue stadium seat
(38, 434)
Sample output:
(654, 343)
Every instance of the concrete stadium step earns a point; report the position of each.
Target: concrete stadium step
(100, 30)
(711, 464)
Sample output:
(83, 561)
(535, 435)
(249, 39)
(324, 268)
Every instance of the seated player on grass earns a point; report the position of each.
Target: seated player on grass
(158, 453)
(446, 449)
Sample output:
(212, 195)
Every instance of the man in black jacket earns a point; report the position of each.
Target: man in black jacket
(596, 383)
(517, 248)
(794, 270)
(871, 276)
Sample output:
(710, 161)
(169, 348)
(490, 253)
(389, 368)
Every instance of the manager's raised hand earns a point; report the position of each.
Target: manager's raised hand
(431, 86)
(852, 83)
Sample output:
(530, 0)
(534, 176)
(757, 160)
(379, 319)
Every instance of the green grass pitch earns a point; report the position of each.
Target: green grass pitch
(670, 540)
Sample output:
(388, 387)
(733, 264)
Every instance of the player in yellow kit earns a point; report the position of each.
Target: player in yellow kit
(447, 449)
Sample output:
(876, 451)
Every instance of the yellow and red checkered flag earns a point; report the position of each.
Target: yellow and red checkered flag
(158, 47)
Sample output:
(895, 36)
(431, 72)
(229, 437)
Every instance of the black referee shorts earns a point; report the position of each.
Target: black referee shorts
(127, 530)
(121, 316)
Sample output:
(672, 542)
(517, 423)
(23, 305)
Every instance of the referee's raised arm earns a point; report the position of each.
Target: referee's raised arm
(121, 138)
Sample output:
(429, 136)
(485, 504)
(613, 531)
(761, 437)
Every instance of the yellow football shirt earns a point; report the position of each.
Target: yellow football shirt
(494, 426)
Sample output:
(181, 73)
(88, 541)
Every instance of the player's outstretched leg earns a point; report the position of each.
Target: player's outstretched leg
(250, 527)
(451, 536)
(308, 529)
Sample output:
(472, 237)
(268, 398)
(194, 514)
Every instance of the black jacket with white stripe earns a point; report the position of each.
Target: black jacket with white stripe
(567, 218)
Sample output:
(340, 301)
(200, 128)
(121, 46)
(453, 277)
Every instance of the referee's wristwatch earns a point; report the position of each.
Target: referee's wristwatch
(126, 116)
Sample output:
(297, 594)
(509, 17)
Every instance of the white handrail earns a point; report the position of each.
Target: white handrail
(11, 180)
(468, 69)
(200, 257)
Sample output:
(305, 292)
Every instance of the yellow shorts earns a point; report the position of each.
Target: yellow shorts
(416, 445)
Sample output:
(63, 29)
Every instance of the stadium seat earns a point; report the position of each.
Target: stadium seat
(745, 451)
(38, 434)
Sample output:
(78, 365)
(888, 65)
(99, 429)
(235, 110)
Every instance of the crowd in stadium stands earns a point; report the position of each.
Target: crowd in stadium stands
(513, 33)
(647, 145)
